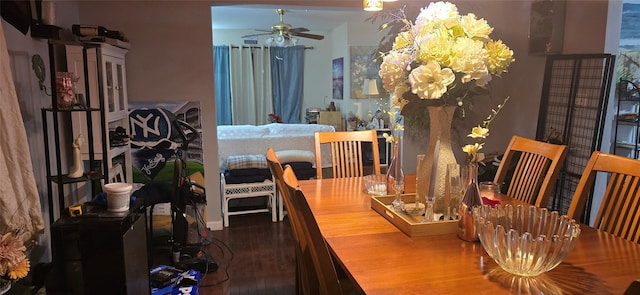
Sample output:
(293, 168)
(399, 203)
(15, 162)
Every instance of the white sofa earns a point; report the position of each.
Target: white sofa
(250, 139)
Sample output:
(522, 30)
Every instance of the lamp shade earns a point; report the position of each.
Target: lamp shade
(370, 87)
(372, 5)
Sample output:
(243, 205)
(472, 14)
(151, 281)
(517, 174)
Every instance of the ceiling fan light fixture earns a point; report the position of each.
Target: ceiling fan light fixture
(372, 5)
(280, 40)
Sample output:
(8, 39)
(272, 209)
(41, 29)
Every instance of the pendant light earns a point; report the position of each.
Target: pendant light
(372, 5)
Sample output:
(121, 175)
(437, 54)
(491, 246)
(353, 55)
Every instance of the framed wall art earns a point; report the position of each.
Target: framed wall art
(338, 78)
(546, 28)
(363, 66)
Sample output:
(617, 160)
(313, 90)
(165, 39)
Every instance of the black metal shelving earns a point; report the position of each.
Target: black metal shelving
(57, 118)
(627, 120)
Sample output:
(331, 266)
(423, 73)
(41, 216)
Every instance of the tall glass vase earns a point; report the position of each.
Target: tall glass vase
(440, 118)
(395, 177)
(471, 198)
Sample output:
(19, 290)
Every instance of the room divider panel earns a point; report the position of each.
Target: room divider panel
(573, 107)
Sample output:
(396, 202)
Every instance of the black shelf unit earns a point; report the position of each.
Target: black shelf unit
(627, 115)
(57, 117)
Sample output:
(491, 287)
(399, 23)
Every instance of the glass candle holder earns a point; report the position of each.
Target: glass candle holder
(65, 95)
(489, 190)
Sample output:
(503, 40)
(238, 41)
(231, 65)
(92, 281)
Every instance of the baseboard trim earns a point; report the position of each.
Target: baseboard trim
(214, 225)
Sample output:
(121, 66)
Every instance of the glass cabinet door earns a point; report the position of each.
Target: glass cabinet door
(110, 91)
(122, 104)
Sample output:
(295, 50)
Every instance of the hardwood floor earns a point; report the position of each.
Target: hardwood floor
(255, 256)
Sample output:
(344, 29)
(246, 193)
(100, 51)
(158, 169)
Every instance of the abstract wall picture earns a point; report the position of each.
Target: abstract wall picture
(337, 71)
(546, 28)
(363, 67)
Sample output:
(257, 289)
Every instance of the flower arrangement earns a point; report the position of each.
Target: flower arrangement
(273, 118)
(14, 264)
(442, 58)
(481, 132)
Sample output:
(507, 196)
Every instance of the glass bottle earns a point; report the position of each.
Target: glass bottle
(466, 227)
(395, 177)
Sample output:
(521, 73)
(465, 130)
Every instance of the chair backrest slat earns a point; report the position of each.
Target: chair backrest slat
(346, 149)
(537, 166)
(619, 212)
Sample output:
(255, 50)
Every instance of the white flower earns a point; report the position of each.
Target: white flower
(440, 12)
(430, 81)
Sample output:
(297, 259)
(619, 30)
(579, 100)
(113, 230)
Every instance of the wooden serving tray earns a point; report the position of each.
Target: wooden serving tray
(411, 225)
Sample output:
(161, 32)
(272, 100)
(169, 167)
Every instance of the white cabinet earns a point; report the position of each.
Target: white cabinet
(107, 90)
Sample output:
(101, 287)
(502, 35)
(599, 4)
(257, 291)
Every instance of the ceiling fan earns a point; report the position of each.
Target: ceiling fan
(283, 32)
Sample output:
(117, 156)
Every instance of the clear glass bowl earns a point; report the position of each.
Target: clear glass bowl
(525, 241)
(376, 184)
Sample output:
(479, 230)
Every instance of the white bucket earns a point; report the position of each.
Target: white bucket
(118, 196)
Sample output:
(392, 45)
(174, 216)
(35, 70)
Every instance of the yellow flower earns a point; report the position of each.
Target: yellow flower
(500, 57)
(475, 28)
(389, 138)
(403, 40)
(479, 132)
(20, 271)
(472, 151)
(470, 60)
(430, 81)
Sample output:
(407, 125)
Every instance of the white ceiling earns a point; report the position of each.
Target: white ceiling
(316, 19)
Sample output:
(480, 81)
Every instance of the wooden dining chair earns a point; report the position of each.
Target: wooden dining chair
(277, 171)
(347, 159)
(533, 167)
(619, 212)
(318, 271)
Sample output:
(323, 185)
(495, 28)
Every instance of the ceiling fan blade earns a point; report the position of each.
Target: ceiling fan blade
(305, 35)
(258, 34)
(298, 30)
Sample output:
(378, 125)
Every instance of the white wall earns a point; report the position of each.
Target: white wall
(170, 59)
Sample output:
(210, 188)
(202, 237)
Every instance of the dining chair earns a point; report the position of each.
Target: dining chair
(318, 270)
(347, 159)
(533, 167)
(619, 212)
(277, 171)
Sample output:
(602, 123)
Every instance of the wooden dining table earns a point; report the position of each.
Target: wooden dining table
(384, 260)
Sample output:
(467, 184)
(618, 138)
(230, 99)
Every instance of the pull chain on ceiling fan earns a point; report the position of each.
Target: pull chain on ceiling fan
(284, 33)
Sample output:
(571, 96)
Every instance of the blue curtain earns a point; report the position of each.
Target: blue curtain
(222, 84)
(287, 67)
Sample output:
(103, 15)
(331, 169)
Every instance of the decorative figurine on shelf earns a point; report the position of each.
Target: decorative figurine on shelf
(77, 171)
